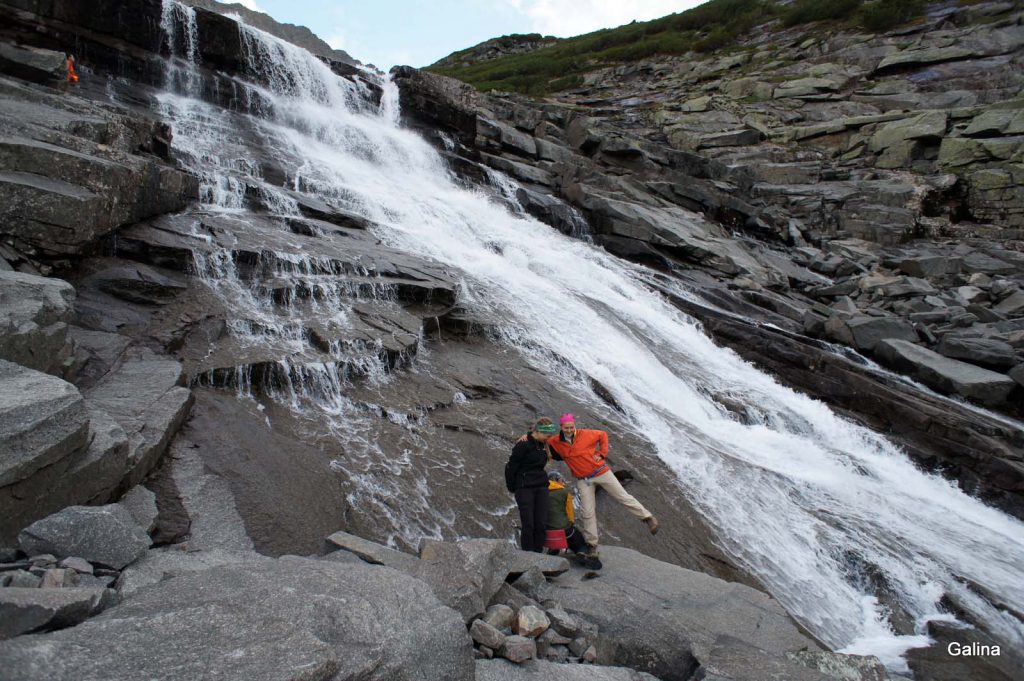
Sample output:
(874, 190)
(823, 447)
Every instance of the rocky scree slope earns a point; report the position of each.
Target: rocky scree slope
(813, 185)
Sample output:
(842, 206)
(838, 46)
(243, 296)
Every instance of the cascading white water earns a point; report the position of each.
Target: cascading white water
(818, 508)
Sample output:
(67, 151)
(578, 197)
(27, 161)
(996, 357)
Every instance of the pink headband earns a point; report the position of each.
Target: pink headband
(566, 418)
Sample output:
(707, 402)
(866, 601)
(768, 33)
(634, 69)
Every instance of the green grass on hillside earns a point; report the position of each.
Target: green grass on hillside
(715, 25)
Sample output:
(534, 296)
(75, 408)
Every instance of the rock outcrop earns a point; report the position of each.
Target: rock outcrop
(332, 622)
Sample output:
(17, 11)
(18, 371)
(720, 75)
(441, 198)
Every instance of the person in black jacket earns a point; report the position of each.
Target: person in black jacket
(526, 478)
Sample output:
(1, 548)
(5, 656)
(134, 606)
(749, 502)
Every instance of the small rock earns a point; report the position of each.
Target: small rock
(562, 622)
(58, 578)
(9, 555)
(971, 294)
(980, 279)
(558, 654)
(531, 621)
(94, 582)
(483, 653)
(552, 637)
(590, 655)
(499, 616)
(1001, 288)
(519, 649)
(532, 583)
(24, 579)
(486, 635)
(511, 597)
(579, 646)
(1012, 305)
(79, 565)
(141, 504)
(43, 559)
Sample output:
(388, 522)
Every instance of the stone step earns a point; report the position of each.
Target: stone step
(145, 397)
(42, 420)
(90, 475)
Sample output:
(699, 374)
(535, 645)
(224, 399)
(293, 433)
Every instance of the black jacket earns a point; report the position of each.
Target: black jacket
(525, 468)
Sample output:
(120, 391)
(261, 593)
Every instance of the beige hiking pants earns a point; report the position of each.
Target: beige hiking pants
(586, 490)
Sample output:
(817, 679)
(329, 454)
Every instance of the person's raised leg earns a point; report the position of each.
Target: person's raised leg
(610, 484)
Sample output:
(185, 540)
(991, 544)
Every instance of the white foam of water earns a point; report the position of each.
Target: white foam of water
(806, 500)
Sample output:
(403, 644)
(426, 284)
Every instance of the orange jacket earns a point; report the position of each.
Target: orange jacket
(586, 453)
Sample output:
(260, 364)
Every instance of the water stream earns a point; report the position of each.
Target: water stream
(820, 509)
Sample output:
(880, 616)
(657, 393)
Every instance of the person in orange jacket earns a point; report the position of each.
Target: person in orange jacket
(585, 451)
(69, 63)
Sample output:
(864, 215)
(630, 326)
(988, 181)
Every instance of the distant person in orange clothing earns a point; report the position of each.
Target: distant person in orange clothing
(585, 452)
(69, 62)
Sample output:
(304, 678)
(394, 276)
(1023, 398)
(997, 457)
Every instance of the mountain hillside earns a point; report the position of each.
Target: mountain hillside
(544, 65)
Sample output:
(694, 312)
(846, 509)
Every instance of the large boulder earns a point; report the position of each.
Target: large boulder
(34, 312)
(42, 420)
(107, 535)
(287, 619)
(24, 610)
(687, 615)
(146, 398)
(945, 375)
(466, 574)
(989, 352)
(864, 332)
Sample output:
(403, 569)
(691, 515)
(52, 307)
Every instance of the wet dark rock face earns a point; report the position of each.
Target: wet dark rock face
(127, 347)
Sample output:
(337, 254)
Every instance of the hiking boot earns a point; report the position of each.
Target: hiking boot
(591, 563)
(652, 524)
(592, 550)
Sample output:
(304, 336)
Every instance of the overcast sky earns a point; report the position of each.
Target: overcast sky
(419, 32)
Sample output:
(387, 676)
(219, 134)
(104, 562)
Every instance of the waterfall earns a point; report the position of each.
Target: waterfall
(821, 510)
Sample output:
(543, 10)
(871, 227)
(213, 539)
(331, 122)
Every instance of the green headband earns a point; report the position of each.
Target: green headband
(547, 428)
